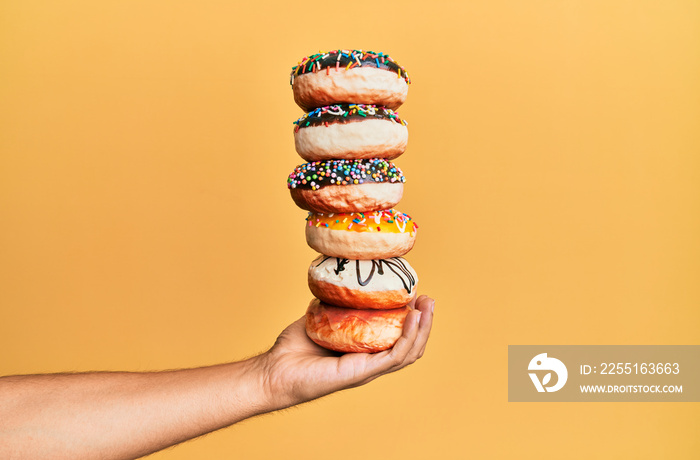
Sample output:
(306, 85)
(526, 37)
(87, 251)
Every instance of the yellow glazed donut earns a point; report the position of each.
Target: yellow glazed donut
(370, 235)
(349, 76)
(350, 330)
(363, 284)
(346, 185)
(348, 131)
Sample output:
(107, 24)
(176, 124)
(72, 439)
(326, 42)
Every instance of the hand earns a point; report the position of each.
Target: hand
(297, 370)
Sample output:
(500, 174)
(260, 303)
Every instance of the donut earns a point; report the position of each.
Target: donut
(346, 185)
(349, 76)
(350, 330)
(349, 131)
(364, 284)
(372, 235)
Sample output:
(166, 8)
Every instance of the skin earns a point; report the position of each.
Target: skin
(125, 415)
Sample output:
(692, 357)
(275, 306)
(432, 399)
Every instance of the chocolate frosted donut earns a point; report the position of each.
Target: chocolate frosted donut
(371, 235)
(364, 284)
(346, 185)
(349, 76)
(349, 131)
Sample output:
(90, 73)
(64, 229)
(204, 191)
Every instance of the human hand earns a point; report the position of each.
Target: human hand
(297, 370)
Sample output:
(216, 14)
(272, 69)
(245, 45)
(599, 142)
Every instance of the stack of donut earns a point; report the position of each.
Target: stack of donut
(348, 136)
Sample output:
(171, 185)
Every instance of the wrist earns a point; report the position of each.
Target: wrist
(277, 393)
(269, 394)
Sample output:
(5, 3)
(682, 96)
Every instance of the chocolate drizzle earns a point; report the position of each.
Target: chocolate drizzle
(396, 265)
(341, 266)
(325, 258)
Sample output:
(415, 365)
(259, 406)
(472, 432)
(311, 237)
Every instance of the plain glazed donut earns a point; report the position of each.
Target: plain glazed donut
(349, 330)
(363, 284)
(346, 185)
(372, 235)
(350, 131)
(349, 76)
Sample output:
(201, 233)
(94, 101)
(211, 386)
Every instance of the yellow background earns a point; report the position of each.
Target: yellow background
(553, 166)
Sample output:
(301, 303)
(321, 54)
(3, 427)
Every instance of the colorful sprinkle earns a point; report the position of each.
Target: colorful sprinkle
(317, 174)
(347, 59)
(350, 112)
(389, 220)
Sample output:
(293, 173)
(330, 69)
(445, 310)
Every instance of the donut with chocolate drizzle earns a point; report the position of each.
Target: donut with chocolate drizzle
(364, 284)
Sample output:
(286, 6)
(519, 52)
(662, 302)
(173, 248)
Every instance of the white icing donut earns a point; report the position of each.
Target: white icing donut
(363, 284)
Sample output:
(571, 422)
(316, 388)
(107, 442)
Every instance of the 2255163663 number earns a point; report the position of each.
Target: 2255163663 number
(639, 368)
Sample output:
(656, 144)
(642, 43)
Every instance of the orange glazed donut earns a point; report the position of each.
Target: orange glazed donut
(371, 235)
(350, 131)
(364, 284)
(349, 330)
(349, 76)
(346, 185)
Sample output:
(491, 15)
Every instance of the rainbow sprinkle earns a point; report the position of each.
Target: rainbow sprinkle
(341, 112)
(347, 59)
(365, 221)
(317, 174)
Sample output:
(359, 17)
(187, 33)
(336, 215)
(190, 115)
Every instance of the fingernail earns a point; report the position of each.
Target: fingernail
(432, 307)
(418, 317)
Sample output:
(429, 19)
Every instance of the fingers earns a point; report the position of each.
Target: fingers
(385, 361)
(426, 306)
(410, 346)
(403, 346)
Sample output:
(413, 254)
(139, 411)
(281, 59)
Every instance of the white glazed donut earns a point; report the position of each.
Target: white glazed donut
(349, 76)
(349, 131)
(363, 284)
(349, 330)
(371, 235)
(346, 185)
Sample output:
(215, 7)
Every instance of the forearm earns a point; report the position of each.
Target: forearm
(123, 415)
